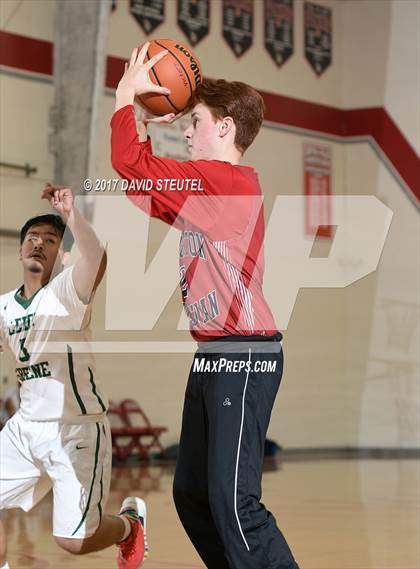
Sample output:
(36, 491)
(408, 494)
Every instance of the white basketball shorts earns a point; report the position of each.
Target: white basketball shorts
(72, 459)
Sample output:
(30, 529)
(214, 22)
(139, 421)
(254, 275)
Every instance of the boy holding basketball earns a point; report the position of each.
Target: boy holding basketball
(237, 369)
(60, 437)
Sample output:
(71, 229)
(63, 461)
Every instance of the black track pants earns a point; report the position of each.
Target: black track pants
(217, 484)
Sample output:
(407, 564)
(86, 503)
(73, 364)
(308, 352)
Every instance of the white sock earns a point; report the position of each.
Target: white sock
(5, 566)
(127, 530)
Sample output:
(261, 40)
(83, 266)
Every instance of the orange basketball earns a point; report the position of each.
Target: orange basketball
(179, 71)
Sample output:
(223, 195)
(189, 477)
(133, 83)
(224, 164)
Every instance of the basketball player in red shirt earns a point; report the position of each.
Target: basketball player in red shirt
(237, 369)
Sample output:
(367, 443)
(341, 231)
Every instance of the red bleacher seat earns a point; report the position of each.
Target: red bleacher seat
(131, 430)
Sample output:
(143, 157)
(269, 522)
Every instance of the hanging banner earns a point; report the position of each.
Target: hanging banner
(148, 13)
(317, 191)
(238, 24)
(278, 29)
(318, 36)
(194, 19)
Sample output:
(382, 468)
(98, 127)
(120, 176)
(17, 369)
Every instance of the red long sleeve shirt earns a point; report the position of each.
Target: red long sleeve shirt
(217, 207)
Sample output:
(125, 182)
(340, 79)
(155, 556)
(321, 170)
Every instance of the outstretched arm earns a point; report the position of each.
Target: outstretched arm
(90, 267)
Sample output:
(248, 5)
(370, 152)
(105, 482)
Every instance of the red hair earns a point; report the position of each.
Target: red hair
(233, 99)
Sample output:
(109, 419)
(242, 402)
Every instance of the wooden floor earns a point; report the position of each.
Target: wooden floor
(336, 514)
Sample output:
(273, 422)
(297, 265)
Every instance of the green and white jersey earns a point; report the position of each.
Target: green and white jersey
(57, 383)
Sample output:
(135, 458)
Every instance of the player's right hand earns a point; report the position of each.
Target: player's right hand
(60, 198)
(136, 76)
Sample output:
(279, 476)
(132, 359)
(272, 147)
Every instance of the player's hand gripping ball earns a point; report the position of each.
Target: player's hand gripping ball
(179, 71)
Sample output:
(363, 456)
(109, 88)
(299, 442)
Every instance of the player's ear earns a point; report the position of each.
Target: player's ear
(20, 253)
(225, 126)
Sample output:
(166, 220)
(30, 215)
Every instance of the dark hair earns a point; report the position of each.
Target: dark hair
(56, 222)
(234, 99)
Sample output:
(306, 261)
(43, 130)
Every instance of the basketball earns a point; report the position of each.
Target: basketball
(179, 71)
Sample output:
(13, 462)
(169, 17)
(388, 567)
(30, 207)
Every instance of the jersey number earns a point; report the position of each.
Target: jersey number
(24, 355)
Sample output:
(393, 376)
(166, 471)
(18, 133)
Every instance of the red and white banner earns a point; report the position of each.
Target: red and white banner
(317, 190)
(238, 24)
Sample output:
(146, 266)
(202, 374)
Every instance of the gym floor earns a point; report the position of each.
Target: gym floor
(339, 513)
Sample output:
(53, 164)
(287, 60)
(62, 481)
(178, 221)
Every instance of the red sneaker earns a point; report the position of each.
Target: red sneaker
(133, 550)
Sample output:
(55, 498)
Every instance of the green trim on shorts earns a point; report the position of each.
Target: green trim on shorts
(93, 384)
(73, 380)
(98, 437)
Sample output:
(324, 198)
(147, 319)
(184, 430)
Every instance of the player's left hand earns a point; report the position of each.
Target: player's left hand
(145, 117)
(165, 119)
(60, 198)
